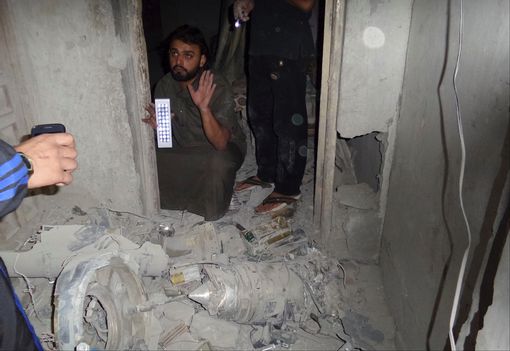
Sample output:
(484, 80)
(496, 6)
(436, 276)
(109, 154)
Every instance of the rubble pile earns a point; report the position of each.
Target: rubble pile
(260, 288)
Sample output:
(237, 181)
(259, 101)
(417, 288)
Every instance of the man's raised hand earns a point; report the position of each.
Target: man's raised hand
(150, 118)
(202, 96)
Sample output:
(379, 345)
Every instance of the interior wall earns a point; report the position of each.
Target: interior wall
(424, 235)
(375, 44)
(494, 335)
(76, 60)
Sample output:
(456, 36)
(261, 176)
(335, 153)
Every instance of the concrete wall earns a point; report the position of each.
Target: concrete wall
(375, 44)
(376, 33)
(424, 234)
(76, 60)
(495, 335)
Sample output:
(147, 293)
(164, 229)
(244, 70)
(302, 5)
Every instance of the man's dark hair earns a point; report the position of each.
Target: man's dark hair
(190, 35)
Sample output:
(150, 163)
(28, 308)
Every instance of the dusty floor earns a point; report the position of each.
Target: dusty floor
(355, 292)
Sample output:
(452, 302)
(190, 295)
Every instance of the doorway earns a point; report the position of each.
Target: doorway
(227, 47)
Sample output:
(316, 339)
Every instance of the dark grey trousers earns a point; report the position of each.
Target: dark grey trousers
(277, 115)
(198, 179)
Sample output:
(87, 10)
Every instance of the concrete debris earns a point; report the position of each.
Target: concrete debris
(360, 329)
(220, 334)
(359, 196)
(175, 320)
(175, 313)
(45, 253)
(166, 339)
(184, 293)
(355, 233)
(275, 238)
(184, 274)
(200, 244)
(344, 167)
(361, 227)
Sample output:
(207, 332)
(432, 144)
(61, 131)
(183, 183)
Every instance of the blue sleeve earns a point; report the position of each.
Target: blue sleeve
(13, 179)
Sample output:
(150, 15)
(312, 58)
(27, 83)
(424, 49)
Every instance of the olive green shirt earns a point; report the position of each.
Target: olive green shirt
(187, 127)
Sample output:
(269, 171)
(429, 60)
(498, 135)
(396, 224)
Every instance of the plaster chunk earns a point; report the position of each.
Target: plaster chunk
(361, 229)
(219, 333)
(359, 196)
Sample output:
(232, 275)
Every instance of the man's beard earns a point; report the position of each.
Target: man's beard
(183, 75)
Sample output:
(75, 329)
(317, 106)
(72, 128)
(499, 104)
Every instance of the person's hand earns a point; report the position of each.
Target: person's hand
(150, 118)
(242, 9)
(53, 159)
(202, 96)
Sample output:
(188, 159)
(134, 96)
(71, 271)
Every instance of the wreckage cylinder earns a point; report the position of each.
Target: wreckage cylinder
(252, 292)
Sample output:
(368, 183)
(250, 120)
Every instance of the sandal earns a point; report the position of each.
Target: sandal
(250, 183)
(283, 201)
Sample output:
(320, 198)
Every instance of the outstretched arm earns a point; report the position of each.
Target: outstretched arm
(53, 158)
(217, 134)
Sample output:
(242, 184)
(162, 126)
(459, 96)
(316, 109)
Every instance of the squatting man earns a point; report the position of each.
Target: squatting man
(197, 174)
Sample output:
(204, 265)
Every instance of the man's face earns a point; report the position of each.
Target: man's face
(185, 60)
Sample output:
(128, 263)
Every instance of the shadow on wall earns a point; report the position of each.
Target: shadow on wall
(483, 250)
(444, 150)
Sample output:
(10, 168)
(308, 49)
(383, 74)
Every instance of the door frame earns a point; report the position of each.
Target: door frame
(332, 53)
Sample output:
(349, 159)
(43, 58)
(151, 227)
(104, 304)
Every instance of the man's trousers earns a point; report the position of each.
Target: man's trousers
(277, 116)
(198, 179)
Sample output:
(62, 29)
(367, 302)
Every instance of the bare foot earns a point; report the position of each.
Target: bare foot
(250, 183)
(269, 206)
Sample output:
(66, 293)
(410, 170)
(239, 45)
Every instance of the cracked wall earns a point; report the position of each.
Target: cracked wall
(73, 63)
(375, 44)
(424, 234)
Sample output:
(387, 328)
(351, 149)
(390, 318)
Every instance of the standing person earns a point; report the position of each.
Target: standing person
(44, 160)
(280, 45)
(198, 173)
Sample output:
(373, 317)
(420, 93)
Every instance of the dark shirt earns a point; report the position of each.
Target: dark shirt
(187, 127)
(16, 332)
(280, 29)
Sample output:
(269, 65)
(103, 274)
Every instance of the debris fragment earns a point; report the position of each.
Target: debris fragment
(272, 239)
(184, 274)
(219, 333)
(200, 243)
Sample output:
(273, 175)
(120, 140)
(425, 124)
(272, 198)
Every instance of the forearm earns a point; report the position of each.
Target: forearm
(52, 158)
(217, 134)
